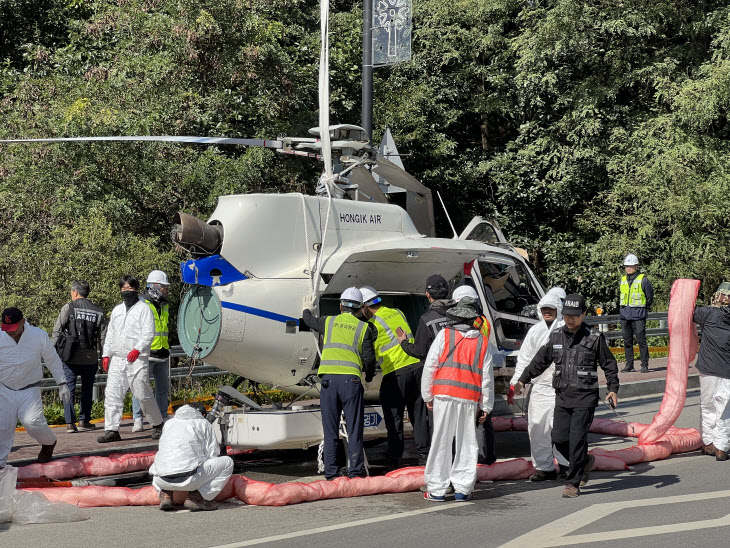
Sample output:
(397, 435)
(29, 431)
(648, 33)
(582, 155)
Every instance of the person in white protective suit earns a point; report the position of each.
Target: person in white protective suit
(22, 346)
(560, 292)
(542, 397)
(188, 461)
(126, 358)
(457, 381)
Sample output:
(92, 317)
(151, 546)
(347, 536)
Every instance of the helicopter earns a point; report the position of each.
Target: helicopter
(259, 257)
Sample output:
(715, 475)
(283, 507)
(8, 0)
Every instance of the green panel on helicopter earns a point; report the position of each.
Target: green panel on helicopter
(199, 321)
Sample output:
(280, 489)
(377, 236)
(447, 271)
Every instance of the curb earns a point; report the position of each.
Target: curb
(627, 390)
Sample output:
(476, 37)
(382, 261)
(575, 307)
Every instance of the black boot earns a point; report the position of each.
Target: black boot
(157, 432)
(109, 435)
(543, 475)
(628, 369)
(46, 453)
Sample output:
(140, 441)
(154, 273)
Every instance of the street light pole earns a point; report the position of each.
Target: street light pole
(367, 67)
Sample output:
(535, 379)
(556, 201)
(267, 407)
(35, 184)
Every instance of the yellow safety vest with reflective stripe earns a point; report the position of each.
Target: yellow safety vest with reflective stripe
(388, 352)
(342, 348)
(633, 295)
(160, 341)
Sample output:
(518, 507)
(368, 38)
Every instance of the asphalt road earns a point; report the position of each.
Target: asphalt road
(677, 502)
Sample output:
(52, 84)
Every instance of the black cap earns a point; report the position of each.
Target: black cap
(11, 319)
(574, 305)
(436, 281)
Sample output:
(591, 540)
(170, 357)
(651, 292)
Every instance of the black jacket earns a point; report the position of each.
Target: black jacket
(368, 349)
(637, 312)
(84, 323)
(432, 321)
(714, 355)
(576, 358)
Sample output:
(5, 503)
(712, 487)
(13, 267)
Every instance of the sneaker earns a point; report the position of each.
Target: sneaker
(587, 470)
(109, 435)
(422, 459)
(542, 475)
(434, 498)
(196, 503)
(563, 471)
(87, 426)
(571, 491)
(721, 455)
(138, 426)
(166, 503)
(709, 450)
(462, 497)
(628, 369)
(157, 432)
(644, 370)
(46, 453)
(71, 428)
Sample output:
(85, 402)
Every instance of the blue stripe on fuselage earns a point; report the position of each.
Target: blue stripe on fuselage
(259, 312)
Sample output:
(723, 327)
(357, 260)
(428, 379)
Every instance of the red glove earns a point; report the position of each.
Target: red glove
(133, 355)
(511, 395)
(105, 364)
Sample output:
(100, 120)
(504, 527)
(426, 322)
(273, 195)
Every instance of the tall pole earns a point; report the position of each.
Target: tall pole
(367, 67)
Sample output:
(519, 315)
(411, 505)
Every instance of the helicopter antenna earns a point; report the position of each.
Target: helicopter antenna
(456, 236)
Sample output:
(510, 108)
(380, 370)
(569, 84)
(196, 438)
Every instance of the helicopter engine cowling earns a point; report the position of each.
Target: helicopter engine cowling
(198, 237)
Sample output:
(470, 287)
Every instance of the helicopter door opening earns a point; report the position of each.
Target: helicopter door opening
(412, 306)
(512, 294)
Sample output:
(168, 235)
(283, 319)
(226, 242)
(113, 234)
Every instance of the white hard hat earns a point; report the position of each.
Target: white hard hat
(464, 291)
(352, 295)
(559, 291)
(157, 277)
(369, 295)
(631, 260)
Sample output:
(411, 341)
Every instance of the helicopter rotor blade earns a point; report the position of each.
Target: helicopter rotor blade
(267, 143)
(362, 177)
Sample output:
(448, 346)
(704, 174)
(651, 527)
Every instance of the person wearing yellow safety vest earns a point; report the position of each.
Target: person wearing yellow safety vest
(401, 373)
(347, 353)
(635, 300)
(159, 369)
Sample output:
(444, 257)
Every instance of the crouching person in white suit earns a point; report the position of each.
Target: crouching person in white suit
(188, 461)
(542, 397)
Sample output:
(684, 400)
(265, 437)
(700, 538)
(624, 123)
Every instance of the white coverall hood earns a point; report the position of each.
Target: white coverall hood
(550, 300)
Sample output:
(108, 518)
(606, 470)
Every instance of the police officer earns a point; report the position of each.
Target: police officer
(636, 297)
(577, 352)
(347, 352)
(401, 372)
(156, 298)
(77, 335)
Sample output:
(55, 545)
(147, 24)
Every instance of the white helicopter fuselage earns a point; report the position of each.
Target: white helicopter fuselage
(242, 313)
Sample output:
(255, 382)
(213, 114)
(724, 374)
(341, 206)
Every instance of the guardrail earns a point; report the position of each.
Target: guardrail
(612, 335)
(202, 370)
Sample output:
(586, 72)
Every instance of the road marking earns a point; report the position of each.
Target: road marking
(556, 533)
(347, 525)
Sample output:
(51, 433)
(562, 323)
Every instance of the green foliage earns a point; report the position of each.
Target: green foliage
(588, 129)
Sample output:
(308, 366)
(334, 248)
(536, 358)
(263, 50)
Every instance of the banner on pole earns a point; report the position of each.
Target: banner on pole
(391, 31)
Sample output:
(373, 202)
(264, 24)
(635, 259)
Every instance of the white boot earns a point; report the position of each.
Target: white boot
(138, 426)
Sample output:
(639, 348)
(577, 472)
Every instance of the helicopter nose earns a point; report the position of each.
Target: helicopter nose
(195, 235)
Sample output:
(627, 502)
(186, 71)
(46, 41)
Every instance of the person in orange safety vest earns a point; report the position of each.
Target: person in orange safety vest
(458, 380)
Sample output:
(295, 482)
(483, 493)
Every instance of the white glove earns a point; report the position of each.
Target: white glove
(64, 392)
(308, 302)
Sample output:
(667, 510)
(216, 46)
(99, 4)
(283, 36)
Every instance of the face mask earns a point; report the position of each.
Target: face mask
(155, 291)
(130, 297)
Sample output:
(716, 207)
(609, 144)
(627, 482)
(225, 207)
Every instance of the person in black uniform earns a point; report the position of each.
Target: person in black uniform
(577, 352)
(348, 354)
(409, 378)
